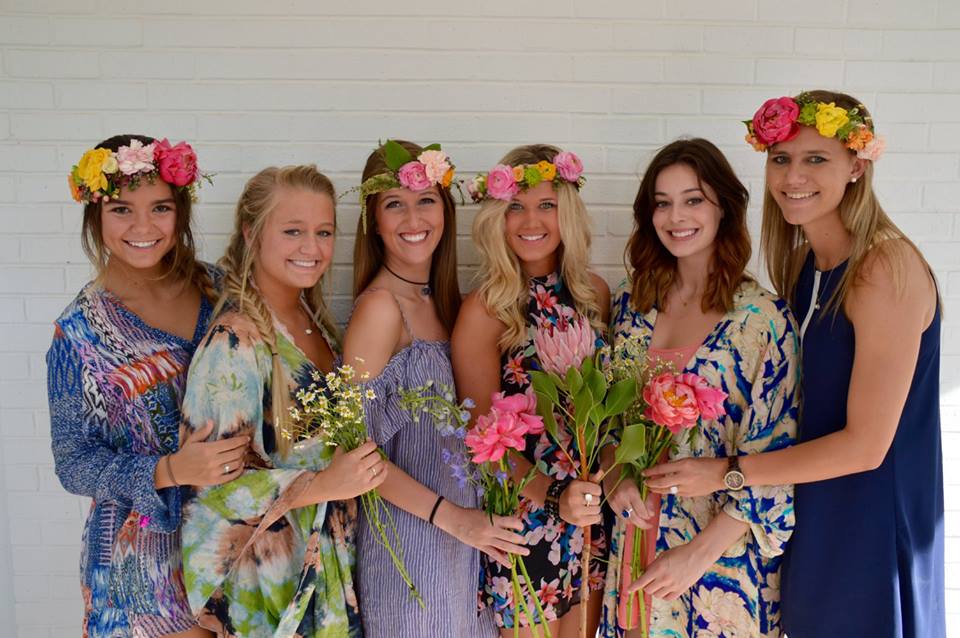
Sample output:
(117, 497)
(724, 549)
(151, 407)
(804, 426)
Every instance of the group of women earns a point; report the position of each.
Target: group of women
(813, 506)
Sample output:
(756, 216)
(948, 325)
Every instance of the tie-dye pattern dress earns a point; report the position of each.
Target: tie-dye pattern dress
(752, 354)
(555, 545)
(253, 567)
(115, 385)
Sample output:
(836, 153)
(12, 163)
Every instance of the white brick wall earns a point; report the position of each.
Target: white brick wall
(248, 86)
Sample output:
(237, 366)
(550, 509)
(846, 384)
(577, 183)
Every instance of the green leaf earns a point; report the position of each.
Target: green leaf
(621, 396)
(395, 155)
(544, 384)
(545, 410)
(633, 444)
(574, 381)
(582, 404)
(432, 147)
(596, 383)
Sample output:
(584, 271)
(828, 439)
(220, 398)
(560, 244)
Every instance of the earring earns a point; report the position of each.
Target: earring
(853, 180)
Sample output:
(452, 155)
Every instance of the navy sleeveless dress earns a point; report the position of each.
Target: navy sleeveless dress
(866, 557)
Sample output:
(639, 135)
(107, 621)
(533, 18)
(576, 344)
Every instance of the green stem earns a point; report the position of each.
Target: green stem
(534, 596)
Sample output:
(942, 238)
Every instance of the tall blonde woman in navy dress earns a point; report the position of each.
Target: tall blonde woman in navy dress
(866, 557)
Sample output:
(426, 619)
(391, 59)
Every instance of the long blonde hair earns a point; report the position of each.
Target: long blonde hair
(784, 247)
(503, 285)
(259, 198)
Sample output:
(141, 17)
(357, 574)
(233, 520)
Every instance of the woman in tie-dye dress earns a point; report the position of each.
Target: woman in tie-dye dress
(271, 553)
(689, 302)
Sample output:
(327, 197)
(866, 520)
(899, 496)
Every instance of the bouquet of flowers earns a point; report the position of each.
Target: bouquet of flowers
(667, 404)
(573, 386)
(331, 408)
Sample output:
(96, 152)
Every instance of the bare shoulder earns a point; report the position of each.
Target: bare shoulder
(476, 322)
(602, 289)
(375, 312)
(895, 281)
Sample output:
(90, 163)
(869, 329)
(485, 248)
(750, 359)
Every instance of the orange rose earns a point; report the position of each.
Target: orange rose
(447, 177)
(518, 173)
(859, 138)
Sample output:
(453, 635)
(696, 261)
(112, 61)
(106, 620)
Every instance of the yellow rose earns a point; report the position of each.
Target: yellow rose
(110, 165)
(90, 168)
(547, 170)
(830, 118)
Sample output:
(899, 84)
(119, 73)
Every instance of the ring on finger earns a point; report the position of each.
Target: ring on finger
(588, 498)
(674, 489)
(373, 470)
(627, 512)
(226, 468)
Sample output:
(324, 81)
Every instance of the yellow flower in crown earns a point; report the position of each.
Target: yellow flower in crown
(830, 118)
(547, 170)
(91, 170)
(447, 177)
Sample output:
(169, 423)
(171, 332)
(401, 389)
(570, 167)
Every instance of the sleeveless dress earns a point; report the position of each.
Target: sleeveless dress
(866, 557)
(555, 545)
(115, 385)
(443, 569)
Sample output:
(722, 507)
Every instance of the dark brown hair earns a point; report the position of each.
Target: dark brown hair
(653, 268)
(181, 261)
(368, 251)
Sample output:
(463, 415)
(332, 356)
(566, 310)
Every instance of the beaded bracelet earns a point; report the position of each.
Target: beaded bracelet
(551, 504)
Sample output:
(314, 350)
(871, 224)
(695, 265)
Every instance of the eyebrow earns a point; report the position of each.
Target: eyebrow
(689, 190)
(168, 200)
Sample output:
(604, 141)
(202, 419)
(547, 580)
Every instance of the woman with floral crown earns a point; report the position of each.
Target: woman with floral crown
(116, 375)
(866, 556)
(271, 552)
(713, 565)
(533, 236)
(406, 300)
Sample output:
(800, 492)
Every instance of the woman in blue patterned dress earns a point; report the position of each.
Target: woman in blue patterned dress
(116, 374)
(407, 297)
(690, 303)
(270, 554)
(866, 558)
(533, 235)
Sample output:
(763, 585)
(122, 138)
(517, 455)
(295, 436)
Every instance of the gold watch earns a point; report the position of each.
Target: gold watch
(733, 479)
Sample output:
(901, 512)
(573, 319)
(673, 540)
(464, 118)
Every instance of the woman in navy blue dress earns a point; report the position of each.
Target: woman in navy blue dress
(866, 557)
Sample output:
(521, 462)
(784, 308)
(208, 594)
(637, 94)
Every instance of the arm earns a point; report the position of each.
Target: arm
(85, 462)
(603, 296)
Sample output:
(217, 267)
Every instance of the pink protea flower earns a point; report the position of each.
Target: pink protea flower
(500, 183)
(709, 399)
(671, 404)
(177, 164)
(561, 348)
(524, 405)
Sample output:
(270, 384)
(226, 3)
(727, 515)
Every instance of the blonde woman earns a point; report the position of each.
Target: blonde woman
(866, 556)
(271, 553)
(533, 236)
(116, 372)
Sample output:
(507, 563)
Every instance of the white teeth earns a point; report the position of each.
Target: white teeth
(683, 233)
(304, 264)
(414, 238)
(799, 195)
(143, 244)
(532, 237)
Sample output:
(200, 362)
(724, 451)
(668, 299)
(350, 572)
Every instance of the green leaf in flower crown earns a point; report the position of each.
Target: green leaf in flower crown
(574, 381)
(633, 444)
(545, 410)
(395, 155)
(621, 396)
(544, 384)
(432, 147)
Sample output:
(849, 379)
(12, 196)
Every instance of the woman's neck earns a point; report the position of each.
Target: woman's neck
(127, 282)
(282, 300)
(830, 241)
(410, 271)
(692, 275)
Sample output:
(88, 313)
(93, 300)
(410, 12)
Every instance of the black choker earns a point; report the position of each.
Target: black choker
(425, 289)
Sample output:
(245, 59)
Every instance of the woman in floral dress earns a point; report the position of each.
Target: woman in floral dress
(533, 236)
(690, 303)
(271, 553)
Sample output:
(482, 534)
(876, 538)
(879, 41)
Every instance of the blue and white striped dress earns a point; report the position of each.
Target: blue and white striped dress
(444, 570)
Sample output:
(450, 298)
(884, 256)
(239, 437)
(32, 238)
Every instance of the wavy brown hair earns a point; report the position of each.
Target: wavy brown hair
(368, 251)
(653, 268)
(181, 261)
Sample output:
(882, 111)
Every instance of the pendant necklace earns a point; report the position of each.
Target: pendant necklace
(425, 289)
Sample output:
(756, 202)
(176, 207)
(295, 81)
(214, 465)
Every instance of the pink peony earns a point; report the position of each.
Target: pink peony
(670, 404)
(873, 149)
(413, 176)
(495, 433)
(568, 165)
(500, 183)
(776, 121)
(177, 164)
(560, 349)
(524, 405)
(709, 399)
(135, 158)
(435, 164)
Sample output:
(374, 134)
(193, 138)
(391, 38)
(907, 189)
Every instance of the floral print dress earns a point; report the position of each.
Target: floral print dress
(555, 545)
(254, 567)
(752, 354)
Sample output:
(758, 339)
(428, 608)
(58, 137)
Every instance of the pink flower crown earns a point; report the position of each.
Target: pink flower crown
(779, 120)
(503, 182)
(101, 172)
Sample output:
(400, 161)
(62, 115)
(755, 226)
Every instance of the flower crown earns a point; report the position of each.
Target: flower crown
(102, 172)
(779, 120)
(503, 181)
(431, 167)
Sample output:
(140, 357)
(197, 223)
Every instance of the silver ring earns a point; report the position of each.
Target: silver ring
(629, 511)
(226, 468)
(674, 489)
(374, 470)
(588, 498)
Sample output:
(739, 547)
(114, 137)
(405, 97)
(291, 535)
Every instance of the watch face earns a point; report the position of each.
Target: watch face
(733, 480)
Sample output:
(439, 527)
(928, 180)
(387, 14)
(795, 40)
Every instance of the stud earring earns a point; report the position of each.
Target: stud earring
(853, 180)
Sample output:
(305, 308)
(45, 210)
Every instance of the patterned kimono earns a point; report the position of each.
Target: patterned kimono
(752, 354)
(254, 567)
(115, 386)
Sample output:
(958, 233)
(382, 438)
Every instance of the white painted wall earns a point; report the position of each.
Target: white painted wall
(252, 83)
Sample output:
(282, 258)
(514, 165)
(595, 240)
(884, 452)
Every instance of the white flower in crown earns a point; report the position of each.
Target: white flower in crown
(135, 158)
(436, 164)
